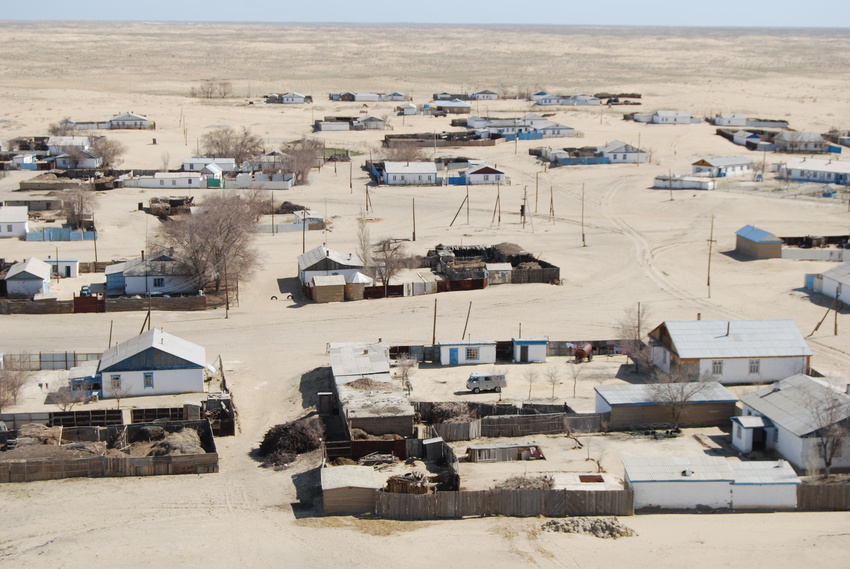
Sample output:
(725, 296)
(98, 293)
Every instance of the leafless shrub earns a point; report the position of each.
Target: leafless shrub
(544, 482)
(65, 398)
(452, 412)
(12, 381)
(282, 444)
(108, 150)
(225, 142)
(301, 156)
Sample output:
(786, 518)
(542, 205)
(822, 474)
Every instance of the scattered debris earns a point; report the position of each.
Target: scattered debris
(342, 461)
(452, 412)
(186, 441)
(377, 458)
(606, 528)
(410, 483)
(528, 483)
(367, 383)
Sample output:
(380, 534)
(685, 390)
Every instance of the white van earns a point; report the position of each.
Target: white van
(487, 381)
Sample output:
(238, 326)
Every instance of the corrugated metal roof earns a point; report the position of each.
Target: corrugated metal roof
(159, 340)
(764, 472)
(328, 280)
(752, 422)
(349, 476)
(672, 469)
(642, 394)
(13, 213)
(818, 165)
(31, 269)
(788, 403)
(469, 343)
(313, 256)
(727, 161)
(753, 233)
(359, 359)
(410, 168)
(746, 338)
(841, 273)
(504, 445)
(795, 136)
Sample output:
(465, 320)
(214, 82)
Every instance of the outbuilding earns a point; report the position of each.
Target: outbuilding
(500, 452)
(530, 349)
(65, 268)
(328, 288)
(467, 352)
(639, 404)
(14, 221)
(757, 243)
(349, 489)
(28, 279)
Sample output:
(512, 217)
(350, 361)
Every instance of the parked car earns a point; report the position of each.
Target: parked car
(488, 381)
(85, 290)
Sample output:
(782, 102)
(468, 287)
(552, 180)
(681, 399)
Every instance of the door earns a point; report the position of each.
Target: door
(759, 439)
(67, 271)
(453, 358)
(523, 353)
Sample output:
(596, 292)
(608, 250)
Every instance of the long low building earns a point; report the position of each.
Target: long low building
(816, 170)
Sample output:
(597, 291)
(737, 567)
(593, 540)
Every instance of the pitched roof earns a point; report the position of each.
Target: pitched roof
(13, 213)
(410, 168)
(157, 264)
(484, 170)
(158, 340)
(313, 256)
(841, 273)
(642, 394)
(618, 146)
(129, 117)
(328, 280)
(819, 165)
(753, 233)
(31, 269)
(795, 136)
(725, 161)
(745, 338)
(789, 403)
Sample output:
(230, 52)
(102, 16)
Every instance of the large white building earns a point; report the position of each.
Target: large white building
(467, 352)
(622, 153)
(731, 351)
(723, 166)
(816, 170)
(410, 173)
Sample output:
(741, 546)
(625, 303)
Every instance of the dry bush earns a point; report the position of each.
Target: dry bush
(528, 483)
(452, 412)
(186, 441)
(282, 444)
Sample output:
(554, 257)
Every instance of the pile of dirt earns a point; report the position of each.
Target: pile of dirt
(342, 461)
(606, 528)
(282, 444)
(37, 434)
(186, 441)
(367, 383)
(73, 450)
(528, 483)
(149, 433)
(452, 412)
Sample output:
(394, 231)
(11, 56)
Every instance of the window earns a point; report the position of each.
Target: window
(173, 182)
(737, 429)
(190, 181)
(158, 282)
(116, 382)
(149, 380)
(471, 353)
(754, 366)
(9, 228)
(486, 177)
(162, 182)
(717, 367)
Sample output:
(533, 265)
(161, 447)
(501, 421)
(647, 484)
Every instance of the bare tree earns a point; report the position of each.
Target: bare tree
(220, 237)
(403, 152)
(364, 243)
(108, 150)
(165, 158)
(554, 378)
(634, 325)
(676, 390)
(65, 398)
(830, 415)
(12, 381)
(301, 156)
(65, 127)
(389, 259)
(575, 371)
(406, 365)
(531, 377)
(206, 90)
(78, 205)
(223, 89)
(119, 392)
(227, 142)
(74, 155)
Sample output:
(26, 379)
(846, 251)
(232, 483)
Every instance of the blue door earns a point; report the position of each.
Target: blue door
(453, 356)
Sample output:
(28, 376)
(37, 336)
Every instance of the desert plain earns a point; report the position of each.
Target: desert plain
(639, 245)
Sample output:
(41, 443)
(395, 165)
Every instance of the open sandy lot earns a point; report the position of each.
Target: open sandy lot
(641, 247)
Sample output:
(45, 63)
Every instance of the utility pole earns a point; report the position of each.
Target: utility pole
(434, 329)
(638, 322)
(226, 292)
(583, 241)
(414, 219)
(467, 202)
(710, 243)
(670, 178)
(835, 324)
(551, 204)
(272, 196)
(536, 190)
(303, 237)
(350, 175)
(94, 240)
(522, 208)
(468, 312)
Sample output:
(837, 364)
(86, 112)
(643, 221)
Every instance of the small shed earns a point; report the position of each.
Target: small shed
(328, 288)
(349, 489)
(28, 279)
(757, 243)
(751, 433)
(764, 485)
(355, 286)
(14, 221)
(530, 349)
(500, 452)
(469, 352)
(636, 404)
(66, 268)
(498, 273)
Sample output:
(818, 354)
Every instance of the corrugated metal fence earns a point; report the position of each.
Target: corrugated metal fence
(518, 503)
(524, 425)
(823, 497)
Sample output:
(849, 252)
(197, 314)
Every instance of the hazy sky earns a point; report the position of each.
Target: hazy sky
(758, 13)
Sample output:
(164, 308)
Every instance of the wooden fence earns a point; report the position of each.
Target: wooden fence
(517, 503)
(523, 425)
(459, 431)
(823, 497)
(106, 466)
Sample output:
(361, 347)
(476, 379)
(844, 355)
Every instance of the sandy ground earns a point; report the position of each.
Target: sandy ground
(641, 246)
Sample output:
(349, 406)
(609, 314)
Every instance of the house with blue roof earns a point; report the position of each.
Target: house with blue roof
(758, 243)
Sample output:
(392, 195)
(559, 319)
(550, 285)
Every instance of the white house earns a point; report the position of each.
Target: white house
(307, 216)
(158, 274)
(731, 119)
(741, 137)
(793, 141)
(167, 180)
(582, 100)
(65, 268)
(530, 349)
(731, 351)
(834, 283)
(789, 417)
(409, 109)
(673, 181)
(816, 170)
(28, 279)
(671, 117)
(14, 221)
(484, 95)
(262, 181)
(57, 145)
(723, 166)
(410, 173)
(83, 159)
(152, 363)
(322, 261)
(484, 174)
(198, 163)
(26, 161)
(129, 120)
(692, 482)
(293, 98)
(467, 352)
(622, 153)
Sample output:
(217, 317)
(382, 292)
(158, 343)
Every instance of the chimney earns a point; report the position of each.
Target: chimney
(687, 472)
(699, 315)
(728, 326)
(143, 255)
(847, 389)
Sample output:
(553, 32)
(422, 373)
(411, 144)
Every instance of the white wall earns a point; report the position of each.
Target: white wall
(686, 494)
(164, 382)
(307, 276)
(478, 179)
(486, 354)
(172, 284)
(410, 179)
(602, 405)
(26, 288)
(164, 183)
(14, 229)
(536, 352)
(764, 496)
(737, 370)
